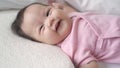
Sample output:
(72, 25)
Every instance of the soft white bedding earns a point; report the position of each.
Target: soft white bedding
(100, 6)
(16, 52)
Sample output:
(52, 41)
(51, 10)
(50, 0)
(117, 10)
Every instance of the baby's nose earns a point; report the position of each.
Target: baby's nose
(49, 21)
(52, 23)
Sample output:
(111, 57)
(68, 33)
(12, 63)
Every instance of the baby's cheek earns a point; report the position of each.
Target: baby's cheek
(52, 37)
(49, 33)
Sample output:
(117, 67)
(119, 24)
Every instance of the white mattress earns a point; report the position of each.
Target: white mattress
(16, 52)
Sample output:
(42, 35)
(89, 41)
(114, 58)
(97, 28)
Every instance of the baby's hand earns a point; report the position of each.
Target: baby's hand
(67, 8)
(92, 64)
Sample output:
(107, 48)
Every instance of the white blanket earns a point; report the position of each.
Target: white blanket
(16, 52)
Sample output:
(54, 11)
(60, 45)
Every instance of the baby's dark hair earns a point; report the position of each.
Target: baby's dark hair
(16, 25)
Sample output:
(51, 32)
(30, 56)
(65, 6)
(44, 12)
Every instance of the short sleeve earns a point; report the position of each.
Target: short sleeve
(83, 56)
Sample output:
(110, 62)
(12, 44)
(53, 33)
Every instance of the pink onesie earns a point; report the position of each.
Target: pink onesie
(93, 37)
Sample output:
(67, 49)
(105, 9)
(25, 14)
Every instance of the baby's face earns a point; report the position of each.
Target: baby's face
(47, 24)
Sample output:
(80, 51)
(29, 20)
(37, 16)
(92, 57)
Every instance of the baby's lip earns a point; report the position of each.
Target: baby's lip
(57, 24)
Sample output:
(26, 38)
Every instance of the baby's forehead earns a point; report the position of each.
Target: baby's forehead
(35, 6)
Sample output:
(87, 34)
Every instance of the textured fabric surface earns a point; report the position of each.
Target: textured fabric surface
(100, 6)
(93, 37)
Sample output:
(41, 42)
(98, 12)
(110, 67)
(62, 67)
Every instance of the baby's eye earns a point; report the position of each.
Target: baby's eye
(41, 27)
(48, 12)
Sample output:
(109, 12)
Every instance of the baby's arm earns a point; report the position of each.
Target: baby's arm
(92, 64)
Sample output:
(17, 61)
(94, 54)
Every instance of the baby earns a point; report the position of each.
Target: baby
(85, 37)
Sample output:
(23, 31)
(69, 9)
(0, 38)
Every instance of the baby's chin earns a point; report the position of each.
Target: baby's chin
(54, 41)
